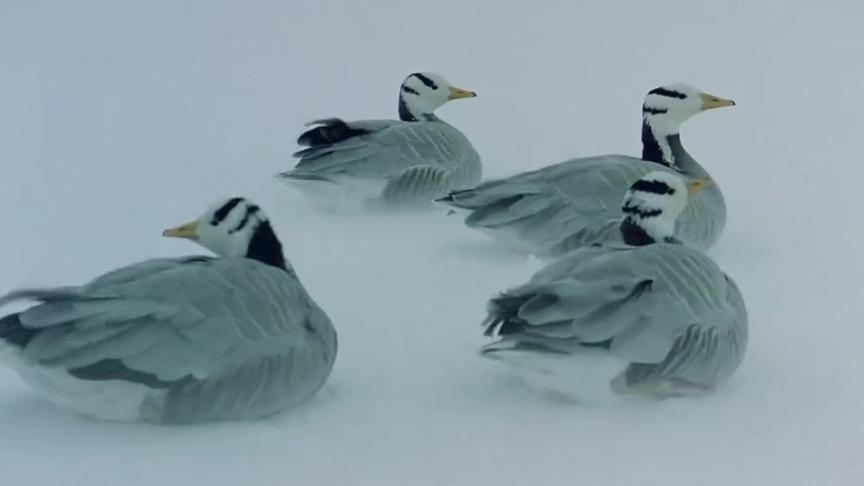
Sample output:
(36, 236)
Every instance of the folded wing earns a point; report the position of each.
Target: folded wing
(666, 309)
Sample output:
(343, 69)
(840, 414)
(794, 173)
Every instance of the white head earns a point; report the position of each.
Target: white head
(234, 228)
(422, 93)
(667, 107)
(653, 203)
(664, 110)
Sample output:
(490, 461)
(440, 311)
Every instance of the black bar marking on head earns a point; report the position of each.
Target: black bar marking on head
(409, 89)
(226, 208)
(425, 80)
(667, 92)
(639, 212)
(251, 210)
(654, 187)
(653, 111)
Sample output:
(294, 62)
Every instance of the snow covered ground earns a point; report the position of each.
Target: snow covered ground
(119, 119)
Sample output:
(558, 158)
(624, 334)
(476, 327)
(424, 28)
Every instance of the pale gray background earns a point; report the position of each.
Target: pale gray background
(118, 119)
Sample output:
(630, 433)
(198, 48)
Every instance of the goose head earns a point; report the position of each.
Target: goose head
(422, 93)
(664, 110)
(653, 204)
(234, 228)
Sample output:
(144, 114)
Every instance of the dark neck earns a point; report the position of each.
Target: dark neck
(683, 160)
(633, 234)
(651, 150)
(677, 157)
(265, 247)
(404, 113)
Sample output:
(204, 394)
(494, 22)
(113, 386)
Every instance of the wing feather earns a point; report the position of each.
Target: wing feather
(386, 148)
(575, 199)
(662, 305)
(176, 318)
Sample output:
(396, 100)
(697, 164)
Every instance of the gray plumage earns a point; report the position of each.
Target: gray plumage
(179, 340)
(389, 162)
(649, 316)
(665, 309)
(576, 203)
(400, 161)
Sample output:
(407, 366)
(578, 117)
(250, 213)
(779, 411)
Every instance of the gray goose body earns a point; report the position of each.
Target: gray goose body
(177, 340)
(606, 321)
(389, 162)
(575, 203)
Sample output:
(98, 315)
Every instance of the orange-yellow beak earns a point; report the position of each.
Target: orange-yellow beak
(696, 185)
(188, 231)
(459, 93)
(710, 102)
